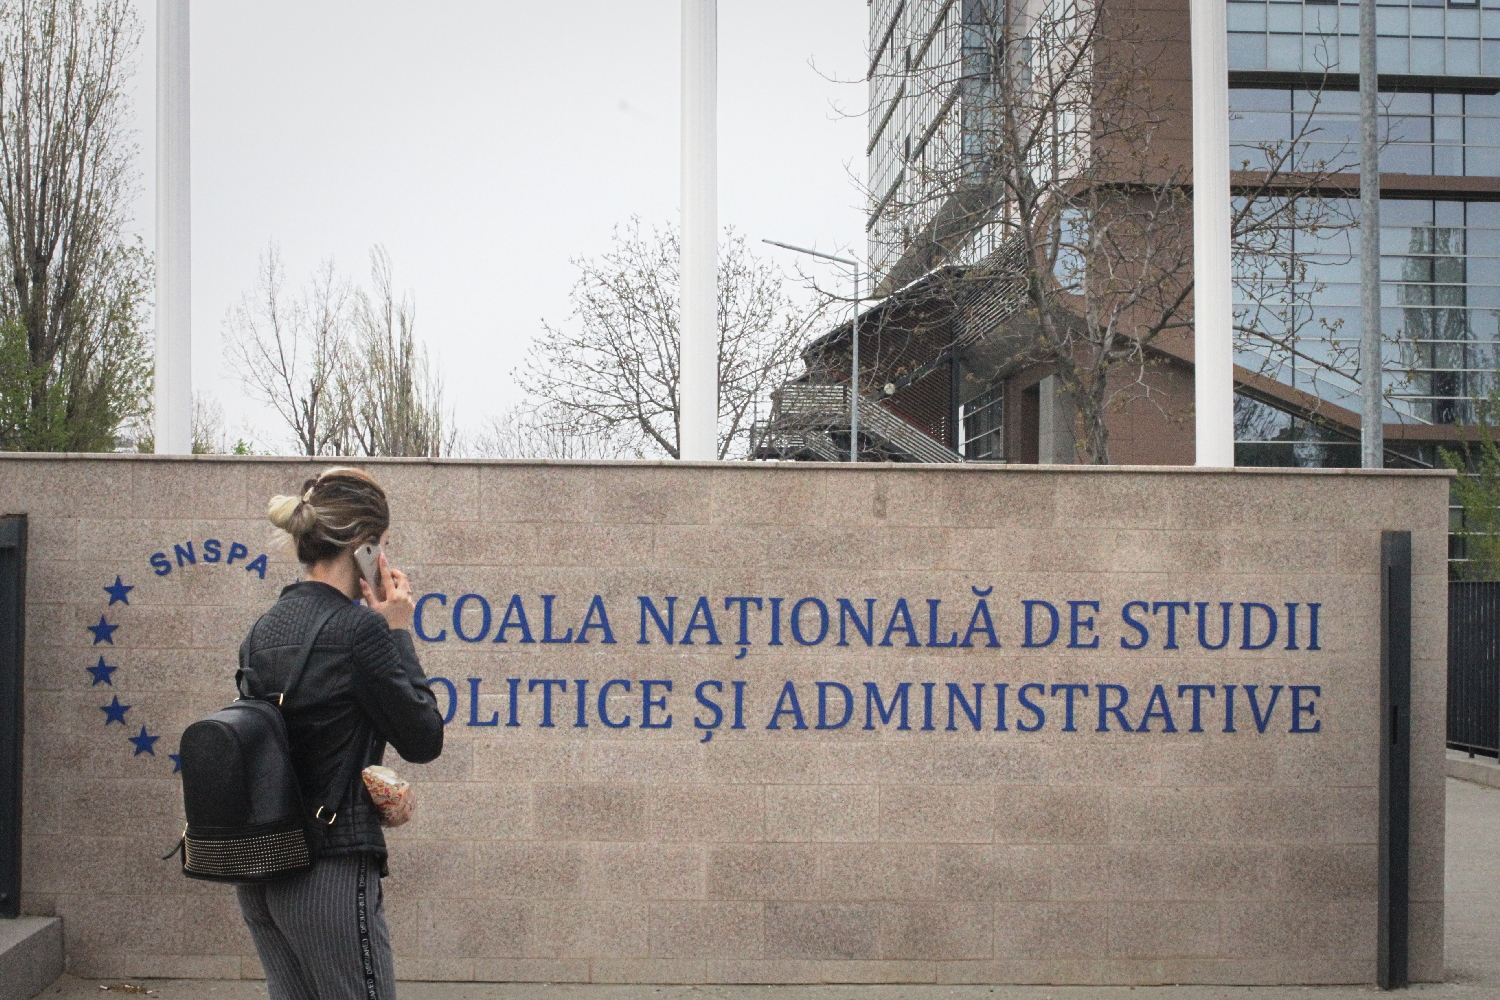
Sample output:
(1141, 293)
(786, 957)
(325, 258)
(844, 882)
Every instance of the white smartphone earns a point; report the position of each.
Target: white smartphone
(367, 558)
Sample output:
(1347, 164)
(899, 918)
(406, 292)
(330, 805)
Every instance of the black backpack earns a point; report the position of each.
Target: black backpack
(246, 820)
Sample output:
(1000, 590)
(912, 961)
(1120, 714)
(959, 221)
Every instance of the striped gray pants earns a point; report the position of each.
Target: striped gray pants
(322, 935)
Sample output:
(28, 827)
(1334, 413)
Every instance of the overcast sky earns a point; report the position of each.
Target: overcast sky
(484, 144)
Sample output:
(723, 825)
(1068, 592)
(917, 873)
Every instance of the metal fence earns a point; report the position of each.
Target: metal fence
(1474, 667)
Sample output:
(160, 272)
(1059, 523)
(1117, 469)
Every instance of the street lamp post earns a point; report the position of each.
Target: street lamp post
(854, 341)
(1371, 430)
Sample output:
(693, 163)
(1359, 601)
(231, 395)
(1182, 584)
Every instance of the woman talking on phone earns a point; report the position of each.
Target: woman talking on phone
(321, 935)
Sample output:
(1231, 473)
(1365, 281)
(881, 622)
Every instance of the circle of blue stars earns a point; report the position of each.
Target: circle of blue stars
(103, 673)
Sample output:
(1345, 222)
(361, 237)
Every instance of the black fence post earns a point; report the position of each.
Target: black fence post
(1395, 757)
(12, 697)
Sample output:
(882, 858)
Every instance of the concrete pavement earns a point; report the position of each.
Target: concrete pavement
(1472, 926)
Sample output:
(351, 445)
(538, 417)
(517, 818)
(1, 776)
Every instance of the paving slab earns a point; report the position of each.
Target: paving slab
(1472, 930)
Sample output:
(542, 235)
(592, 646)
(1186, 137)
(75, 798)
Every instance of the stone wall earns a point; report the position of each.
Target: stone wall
(861, 852)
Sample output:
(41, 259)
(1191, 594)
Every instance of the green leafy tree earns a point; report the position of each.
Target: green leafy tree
(1477, 493)
(75, 347)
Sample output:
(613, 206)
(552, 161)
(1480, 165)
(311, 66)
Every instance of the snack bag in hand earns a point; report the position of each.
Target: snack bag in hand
(396, 799)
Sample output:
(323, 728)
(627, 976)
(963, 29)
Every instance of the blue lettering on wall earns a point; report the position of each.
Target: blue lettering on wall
(666, 628)
(1299, 709)
(1032, 707)
(1117, 709)
(864, 626)
(875, 705)
(494, 720)
(1157, 708)
(1075, 623)
(186, 554)
(1054, 623)
(618, 682)
(975, 713)
(797, 632)
(452, 696)
(596, 618)
(416, 618)
(901, 622)
(702, 620)
(1140, 628)
(1197, 690)
(836, 705)
(1262, 721)
(484, 618)
(787, 704)
(515, 618)
(848, 698)
(711, 705)
(547, 684)
(648, 703)
(547, 635)
(1248, 607)
(1067, 691)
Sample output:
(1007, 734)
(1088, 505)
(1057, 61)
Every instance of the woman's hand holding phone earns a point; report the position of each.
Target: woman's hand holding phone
(398, 606)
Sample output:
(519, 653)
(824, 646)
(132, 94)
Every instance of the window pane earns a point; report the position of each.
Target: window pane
(1259, 100)
(1427, 22)
(1284, 52)
(1286, 17)
(1392, 54)
(1463, 23)
(1247, 17)
(1247, 51)
(1463, 58)
(1426, 56)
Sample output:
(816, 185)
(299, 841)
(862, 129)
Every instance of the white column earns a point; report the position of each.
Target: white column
(1213, 305)
(174, 330)
(698, 374)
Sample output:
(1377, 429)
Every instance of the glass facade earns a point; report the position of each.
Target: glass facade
(1297, 308)
(1424, 133)
(1266, 436)
(1421, 38)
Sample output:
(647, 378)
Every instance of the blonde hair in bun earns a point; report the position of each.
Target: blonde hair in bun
(337, 510)
(293, 515)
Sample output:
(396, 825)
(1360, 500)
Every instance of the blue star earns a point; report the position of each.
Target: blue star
(103, 632)
(114, 711)
(143, 743)
(176, 761)
(101, 673)
(118, 592)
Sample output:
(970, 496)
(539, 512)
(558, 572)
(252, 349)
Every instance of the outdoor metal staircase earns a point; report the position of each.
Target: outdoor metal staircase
(811, 421)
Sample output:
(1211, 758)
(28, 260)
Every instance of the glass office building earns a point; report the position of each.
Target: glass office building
(1293, 78)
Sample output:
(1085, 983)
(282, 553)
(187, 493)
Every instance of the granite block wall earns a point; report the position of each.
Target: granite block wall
(755, 822)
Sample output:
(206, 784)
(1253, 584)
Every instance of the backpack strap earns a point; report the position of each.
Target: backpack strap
(328, 812)
(245, 679)
(304, 654)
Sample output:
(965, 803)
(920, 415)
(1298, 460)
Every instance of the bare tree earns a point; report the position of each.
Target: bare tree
(289, 351)
(76, 353)
(546, 431)
(208, 426)
(394, 397)
(1048, 171)
(614, 369)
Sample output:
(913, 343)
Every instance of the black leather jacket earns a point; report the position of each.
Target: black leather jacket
(363, 688)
